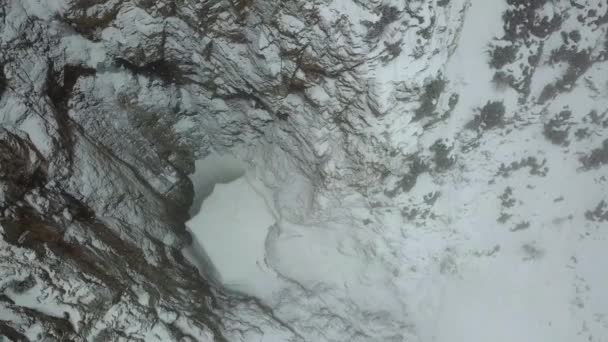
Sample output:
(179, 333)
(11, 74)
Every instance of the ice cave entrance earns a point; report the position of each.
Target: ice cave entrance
(230, 222)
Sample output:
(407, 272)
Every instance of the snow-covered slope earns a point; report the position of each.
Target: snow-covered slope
(400, 171)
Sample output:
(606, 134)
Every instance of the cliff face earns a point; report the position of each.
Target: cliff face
(417, 157)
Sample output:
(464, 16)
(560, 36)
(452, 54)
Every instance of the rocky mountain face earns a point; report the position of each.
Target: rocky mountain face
(436, 168)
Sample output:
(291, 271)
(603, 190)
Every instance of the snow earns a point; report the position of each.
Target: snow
(231, 227)
(506, 299)
(40, 299)
(34, 126)
(331, 258)
(230, 223)
(468, 67)
(44, 9)
(525, 290)
(211, 170)
(79, 50)
(247, 232)
(301, 249)
(303, 230)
